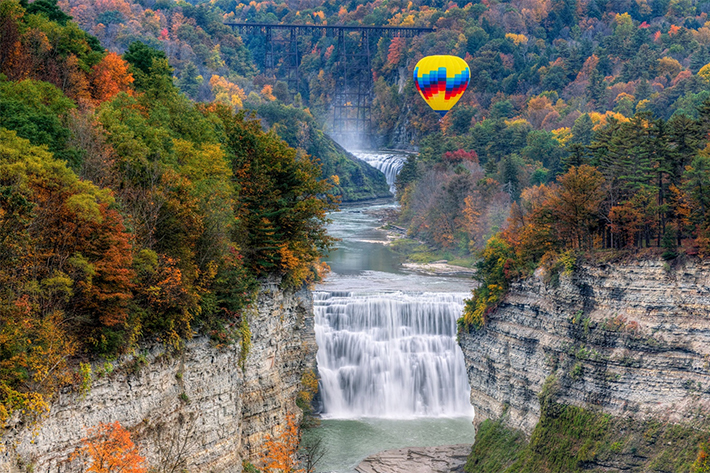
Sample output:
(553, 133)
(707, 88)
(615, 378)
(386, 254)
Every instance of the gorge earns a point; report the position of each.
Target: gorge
(624, 340)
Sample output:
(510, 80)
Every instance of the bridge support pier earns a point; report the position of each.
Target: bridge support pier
(352, 99)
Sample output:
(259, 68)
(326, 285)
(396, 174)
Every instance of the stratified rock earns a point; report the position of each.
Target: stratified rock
(202, 398)
(444, 459)
(628, 339)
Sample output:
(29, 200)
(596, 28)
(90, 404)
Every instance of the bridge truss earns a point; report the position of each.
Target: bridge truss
(353, 95)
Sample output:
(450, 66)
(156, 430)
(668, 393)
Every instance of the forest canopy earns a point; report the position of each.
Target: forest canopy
(127, 211)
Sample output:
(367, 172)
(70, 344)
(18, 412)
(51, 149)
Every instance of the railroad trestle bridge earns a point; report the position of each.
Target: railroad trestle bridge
(353, 93)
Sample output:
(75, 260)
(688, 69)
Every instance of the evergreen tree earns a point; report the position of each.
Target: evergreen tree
(596, 90)
(643, 90)
(190, 80)
(583, 130)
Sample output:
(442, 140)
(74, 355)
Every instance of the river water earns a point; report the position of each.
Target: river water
(392, 375)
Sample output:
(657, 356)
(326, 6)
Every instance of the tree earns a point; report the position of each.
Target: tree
(108, 448)
(109, 77)
(696, 186)
(280, 451)
(150, 68)
(702, 462)
(190, 80)
(176, 443)
(283, 202)
(583, 130)
(313, 452)
(141, 56)
(596, 90)
(576, 205)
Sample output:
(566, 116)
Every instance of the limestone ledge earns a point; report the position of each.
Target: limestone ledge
(629, 339)
(443, 459)
(201, 393)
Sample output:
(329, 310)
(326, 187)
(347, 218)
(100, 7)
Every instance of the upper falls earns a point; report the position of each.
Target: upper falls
(388, 164)
(390, 354)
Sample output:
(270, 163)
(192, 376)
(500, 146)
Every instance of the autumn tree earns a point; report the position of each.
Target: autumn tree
(576, 205)
(109, 77)
(108, 448)
(280, 451)
(283, 201)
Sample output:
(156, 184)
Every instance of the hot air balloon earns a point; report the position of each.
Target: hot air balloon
(441, 80)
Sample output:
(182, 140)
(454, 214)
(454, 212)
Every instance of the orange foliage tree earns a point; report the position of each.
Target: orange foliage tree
(281, 451)
(108, 448)
(109, 77)
(396, 50)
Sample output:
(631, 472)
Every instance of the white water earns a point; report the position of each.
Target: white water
(388, 164)
(390, 355)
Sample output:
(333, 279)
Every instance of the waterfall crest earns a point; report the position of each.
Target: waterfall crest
(390, 354)
(388, 164)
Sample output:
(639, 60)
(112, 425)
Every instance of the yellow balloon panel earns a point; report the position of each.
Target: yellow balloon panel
(441, 81)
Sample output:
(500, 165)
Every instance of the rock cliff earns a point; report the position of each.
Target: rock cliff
(199, 406)
(630, 339)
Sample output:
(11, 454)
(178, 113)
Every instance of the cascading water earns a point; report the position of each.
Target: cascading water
(388, 164)
(391, 373)
(390, 354)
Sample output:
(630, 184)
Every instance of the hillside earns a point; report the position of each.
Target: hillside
(128, 213)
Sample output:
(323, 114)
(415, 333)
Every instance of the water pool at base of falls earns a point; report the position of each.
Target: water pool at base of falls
(348, 442)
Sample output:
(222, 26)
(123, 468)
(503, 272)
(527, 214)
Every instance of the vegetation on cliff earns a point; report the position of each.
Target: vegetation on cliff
(638, 185)
(126, 210)
(570, 439)
(354, 179)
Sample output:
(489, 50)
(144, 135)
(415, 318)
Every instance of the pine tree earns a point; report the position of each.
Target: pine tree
(583, 130)
(596, 90)
(190, 80)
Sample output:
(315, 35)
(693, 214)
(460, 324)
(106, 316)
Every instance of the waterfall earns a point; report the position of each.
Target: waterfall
(390, 354)
(388, 164)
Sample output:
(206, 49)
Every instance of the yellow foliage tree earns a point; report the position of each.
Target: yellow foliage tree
(704, 72)
(517, 39)
(226, 92)
(668, 65)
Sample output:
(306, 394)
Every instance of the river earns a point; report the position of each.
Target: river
(392, 375)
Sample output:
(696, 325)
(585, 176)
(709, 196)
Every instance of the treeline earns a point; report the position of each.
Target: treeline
(545, 62)
(640, 184)
(126, 210)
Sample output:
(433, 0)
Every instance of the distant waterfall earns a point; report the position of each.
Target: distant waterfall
(390, 355)
(388, 164)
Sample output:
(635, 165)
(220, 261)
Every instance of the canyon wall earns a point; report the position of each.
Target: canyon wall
(630, 339)
(202, 405)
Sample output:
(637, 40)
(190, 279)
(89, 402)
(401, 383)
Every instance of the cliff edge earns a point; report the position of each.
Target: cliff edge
(630, 339)
(203, 406)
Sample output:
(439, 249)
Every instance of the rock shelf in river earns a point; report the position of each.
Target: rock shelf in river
(443, 459)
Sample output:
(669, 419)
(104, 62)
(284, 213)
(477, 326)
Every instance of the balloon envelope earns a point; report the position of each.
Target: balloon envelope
(441, 80)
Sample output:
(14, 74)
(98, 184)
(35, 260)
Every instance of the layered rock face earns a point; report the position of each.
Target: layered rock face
(630, 339)
(200, 405)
